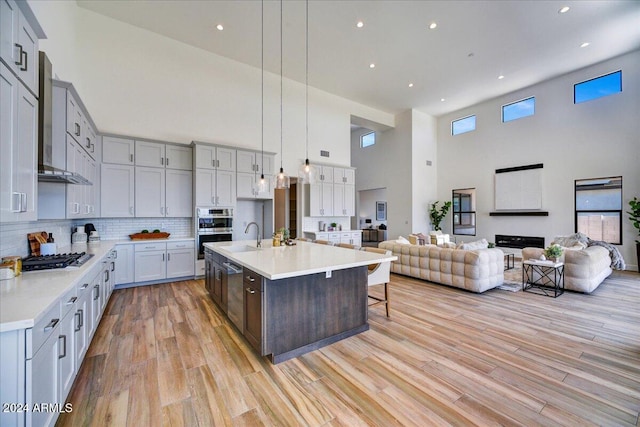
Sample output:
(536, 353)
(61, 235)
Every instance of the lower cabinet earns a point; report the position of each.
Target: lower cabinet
(124, 264)
(180, 256)
(42, 373)
(150, 265)
(66, 353)
(253, 309)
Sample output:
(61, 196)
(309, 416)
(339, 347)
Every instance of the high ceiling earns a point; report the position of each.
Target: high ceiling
(458, 61)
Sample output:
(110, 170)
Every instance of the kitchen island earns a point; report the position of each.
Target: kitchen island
(294, 299)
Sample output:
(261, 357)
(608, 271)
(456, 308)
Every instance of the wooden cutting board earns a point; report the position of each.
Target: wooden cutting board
(35, 240)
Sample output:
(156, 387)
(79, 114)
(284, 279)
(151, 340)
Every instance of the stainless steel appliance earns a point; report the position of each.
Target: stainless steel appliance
(47, 262)
(232, 275)
(213, 225)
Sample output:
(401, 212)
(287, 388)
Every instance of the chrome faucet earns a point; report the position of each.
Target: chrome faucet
(258, 240)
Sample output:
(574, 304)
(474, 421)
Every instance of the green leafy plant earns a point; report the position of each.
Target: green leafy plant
(553, 251)
(437, 215)
(492, 245)
(284, 232)
(634, 215)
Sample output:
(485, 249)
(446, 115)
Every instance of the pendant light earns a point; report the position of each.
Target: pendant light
(306, 171)
(282, 179)
(261, 186)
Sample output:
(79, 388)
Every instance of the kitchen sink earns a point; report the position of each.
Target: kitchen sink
(240, 248)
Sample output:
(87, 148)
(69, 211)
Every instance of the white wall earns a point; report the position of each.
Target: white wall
(367, 206)
(588, 140)
(135, 82)
(424, 177)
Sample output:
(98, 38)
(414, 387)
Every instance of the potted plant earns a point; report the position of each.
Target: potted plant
(553, 253)
(437, 215)
(634, 216)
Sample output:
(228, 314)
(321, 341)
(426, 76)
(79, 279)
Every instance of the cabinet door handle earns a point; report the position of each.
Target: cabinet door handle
(168, 257)
(115, 254)
(162, 257)
(16, 200)
(162, 161)
(97, 288)
(84, 286)
(166, 210)
(77, 129)
(72, 300)
(78, 316)
(93, 148)
(131, 158)
(167, 161)
(113, 266)
(131, 210)
(81, 317)
(64, 347)
(251, 279)
(19, 46)
(106, 276)
(251, 291)
(51, 325)
(88, 143)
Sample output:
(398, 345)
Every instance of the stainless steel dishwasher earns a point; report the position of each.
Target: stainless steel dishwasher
(232, 275)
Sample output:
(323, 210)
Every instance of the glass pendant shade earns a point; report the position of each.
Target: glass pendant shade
(281, 180)
(261, 185)
(307, 173)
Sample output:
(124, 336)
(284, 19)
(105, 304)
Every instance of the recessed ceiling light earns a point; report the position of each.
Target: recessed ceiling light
(372, 65)
(500, 77)
(433, 26)
(360, 24)
(441, 99)
(410, 84)
(565, 9)
(585, 44)
(219, 27)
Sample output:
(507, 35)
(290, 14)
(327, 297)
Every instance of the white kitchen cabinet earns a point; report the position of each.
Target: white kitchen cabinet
(215, 187)
(180, 259)
(151, 154)
(150, 259)
(19, 133)
(344, 199)
(213, 157)
(82, 323)
(66, 357)
(19, 43)
(42, 373)
(249, 171)
(96, 301)
(344, 176)
(75, 118)
(178, 196)
(351, 237)
(150, 192)
(118, 150)
(321, 199)
(162, 192)
(117, 195)
(178, 157)
(124, 264)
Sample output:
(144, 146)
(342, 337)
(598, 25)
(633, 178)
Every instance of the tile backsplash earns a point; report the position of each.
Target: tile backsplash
(13, 236)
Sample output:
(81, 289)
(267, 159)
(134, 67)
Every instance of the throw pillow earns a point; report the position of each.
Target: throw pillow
(401, 240)
(472, 246)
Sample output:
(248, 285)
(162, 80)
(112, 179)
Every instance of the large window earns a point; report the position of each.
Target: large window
(368, 139)
(598, 87)
(464, 211)
(465, 124)
(599, 208)
(519, 109)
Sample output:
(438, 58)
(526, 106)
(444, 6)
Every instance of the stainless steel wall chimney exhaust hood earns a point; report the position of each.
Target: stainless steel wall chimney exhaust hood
(48, 154)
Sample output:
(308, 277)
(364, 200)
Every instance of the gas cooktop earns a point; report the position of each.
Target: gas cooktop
(47, 262)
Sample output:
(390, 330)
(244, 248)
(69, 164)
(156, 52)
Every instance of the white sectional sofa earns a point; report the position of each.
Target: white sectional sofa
(473, 270)
(584, 269)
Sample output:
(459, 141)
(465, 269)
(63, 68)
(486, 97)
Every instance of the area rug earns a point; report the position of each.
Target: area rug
(512, 278)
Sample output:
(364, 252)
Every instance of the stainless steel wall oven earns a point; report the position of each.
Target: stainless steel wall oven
(213, 225)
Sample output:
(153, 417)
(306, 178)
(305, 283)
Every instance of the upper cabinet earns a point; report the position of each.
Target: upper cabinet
(159, 155)
(213, 157)
(119, 151)
(250, 166)
(19, 137)
(333, 193)
(19, 34)
(344, 176)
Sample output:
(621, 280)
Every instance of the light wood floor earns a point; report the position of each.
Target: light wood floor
(164, 355)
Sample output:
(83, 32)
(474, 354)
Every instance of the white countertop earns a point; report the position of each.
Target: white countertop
(333, 231)
(299, 260)
(27, 297)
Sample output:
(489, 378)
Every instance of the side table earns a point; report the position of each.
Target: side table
(543, 277)
(509, 261)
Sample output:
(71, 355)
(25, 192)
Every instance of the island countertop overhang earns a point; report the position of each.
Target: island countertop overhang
(301, 259)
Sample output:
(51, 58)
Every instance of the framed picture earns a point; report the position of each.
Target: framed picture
(381, 211)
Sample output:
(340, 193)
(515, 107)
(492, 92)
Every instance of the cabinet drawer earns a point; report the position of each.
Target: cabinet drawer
(151, 246)
(252, 279)
(334, 236)
(67, 301)
(179, 245)
(43, 328)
